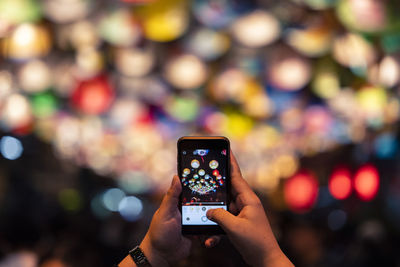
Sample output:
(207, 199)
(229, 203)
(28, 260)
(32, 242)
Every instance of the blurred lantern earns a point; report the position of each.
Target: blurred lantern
(89, 63)
(10, 147)
(112, 197)
(214, 13)
(238, 125)
(256, 29)
(44, 105)
(26, 41)
(208, 44)
(16, 112)
(267, 177)
(134, 62)
(372, 101)
(386, 73)
(287, 165)
(345, 104)
(385, 146)
(314, 40)
(120, 28)
(164, 21)
(67, 136)
(352, 50)
(301, 191)
(366, 182)
(291, 119)
(14, 12)
(186, 72)
(130, 208)
(152, 89)
(326, 81)
(125, 112)
(82, 34)
(229, 85)
(66, 11)
(34, 76)
(317, 119)
(340, 183)
(363, 15)
(182, 108)
(6, 84)
(288, 71)
(93, 96)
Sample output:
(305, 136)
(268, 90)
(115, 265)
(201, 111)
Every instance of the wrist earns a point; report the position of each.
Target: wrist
(153, 256)
(276, 258)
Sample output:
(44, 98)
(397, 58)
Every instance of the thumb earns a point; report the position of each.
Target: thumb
(224, 218)
(171, 198)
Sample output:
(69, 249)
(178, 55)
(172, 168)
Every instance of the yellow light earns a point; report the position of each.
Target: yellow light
(164, 20)
(27, 41)
(372, 101)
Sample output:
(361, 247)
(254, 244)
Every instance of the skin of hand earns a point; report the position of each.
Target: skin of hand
(249, 231)
(164, 243)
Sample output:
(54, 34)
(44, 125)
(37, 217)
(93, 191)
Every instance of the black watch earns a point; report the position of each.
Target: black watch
(138, 257)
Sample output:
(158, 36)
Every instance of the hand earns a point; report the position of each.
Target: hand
(164, 242)
(249, 231)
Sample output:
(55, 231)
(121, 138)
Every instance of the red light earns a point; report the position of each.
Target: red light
(340, 183)
(215, 172)
(366, 182)
(301, 192)
(93, 96)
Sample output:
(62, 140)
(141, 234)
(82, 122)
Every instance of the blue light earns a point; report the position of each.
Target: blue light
(130, 208)
(385, 146)
(112, 197)
(10, 147)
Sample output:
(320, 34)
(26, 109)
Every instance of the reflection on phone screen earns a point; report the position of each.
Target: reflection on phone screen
(203, 180)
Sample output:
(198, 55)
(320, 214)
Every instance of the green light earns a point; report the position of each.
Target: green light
(19, 11)
(44, 104)
(70, 199)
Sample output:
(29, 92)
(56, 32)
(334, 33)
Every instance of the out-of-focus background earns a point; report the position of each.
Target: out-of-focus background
(94, 95)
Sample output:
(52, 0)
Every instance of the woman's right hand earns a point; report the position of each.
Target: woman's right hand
(249, 231)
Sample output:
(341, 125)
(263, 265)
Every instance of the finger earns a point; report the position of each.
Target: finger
(171, 198)
(224, 218)
(212, 241)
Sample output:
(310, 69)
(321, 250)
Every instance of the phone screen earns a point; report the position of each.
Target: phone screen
(203, 171)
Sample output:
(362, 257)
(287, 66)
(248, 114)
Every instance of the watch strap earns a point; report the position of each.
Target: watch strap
(138, 257)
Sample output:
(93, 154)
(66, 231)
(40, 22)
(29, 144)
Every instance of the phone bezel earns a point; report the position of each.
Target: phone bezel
(192, 142)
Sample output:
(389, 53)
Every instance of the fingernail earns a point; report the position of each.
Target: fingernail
(173, 181)
(208, 214)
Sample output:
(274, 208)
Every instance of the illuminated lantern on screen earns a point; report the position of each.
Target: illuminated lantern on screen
(366, 182)
(93, 96)
(340, 183)
(301, 192)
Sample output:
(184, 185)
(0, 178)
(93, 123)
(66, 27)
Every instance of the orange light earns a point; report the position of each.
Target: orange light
(301, 192)
(93, 96)
(340, 183)
(366, 182)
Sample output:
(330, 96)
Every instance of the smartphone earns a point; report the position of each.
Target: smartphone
(204, 171)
